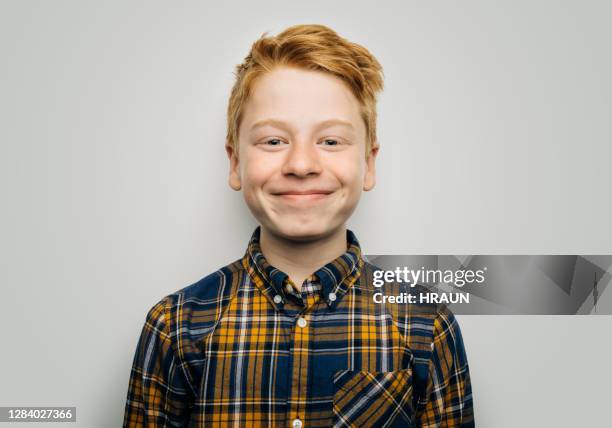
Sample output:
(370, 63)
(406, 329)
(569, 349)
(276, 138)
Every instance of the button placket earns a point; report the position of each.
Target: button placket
(299, 369)
(300, 355)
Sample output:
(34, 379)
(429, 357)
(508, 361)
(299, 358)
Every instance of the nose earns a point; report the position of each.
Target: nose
(302, 159)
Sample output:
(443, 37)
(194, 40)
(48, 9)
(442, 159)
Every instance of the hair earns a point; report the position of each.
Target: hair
(309, 47)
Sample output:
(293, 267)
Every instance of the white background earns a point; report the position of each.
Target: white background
(495, 138)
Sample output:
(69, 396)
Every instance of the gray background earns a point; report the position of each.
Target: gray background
(495, 137)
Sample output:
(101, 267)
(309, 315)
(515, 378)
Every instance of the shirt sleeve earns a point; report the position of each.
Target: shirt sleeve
(159, 394)
(449, 392)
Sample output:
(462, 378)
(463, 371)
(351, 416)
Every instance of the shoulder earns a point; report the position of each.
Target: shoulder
(194, 310)
(216, 286)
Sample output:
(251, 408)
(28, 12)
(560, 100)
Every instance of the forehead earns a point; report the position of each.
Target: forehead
(301, 97)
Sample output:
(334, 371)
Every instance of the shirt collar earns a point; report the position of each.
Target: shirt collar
(336, 277)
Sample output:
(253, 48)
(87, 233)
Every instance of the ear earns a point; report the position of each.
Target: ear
(234, 172)
(369, 181)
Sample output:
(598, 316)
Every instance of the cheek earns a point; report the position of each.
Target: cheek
(350, 172)
(254, 177)
(257, 171)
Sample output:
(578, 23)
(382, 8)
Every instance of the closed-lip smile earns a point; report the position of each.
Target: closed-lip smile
(303, 195)
(304, 192)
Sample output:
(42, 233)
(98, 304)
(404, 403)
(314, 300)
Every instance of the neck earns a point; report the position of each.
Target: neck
(301, 259)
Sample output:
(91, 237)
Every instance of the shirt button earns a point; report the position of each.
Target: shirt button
(277, 298)
(332, 296)
(302, 323)
(296, 422)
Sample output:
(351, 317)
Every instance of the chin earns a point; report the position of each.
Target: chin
(303, 232)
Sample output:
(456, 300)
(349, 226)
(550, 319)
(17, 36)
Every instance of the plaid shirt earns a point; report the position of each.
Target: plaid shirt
(241, 347)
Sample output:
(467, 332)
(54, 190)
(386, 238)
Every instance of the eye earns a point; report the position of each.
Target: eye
(273, 142)
(330, 142)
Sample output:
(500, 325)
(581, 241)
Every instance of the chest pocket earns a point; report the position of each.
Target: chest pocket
(373, 399)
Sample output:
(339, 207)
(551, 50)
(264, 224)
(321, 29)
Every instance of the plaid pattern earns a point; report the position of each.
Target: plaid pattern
(240, 349)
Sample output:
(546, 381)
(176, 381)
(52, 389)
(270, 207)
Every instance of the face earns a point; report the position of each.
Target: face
(301, 160)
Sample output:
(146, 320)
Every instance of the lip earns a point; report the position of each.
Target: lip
(311, 195)
(305, 192)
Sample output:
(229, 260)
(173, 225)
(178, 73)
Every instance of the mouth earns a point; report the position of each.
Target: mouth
(312, 195)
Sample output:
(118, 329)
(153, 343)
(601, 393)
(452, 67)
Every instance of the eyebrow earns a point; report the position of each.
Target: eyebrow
(284, 125)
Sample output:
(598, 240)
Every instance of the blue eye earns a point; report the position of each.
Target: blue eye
(331, 142)
(273, 142)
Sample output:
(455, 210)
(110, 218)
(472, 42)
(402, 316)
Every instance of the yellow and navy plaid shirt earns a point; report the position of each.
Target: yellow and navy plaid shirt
(243, 348)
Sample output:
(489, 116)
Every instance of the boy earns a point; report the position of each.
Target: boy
(289, 335)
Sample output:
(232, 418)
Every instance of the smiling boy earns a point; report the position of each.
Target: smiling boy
(289, 335)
